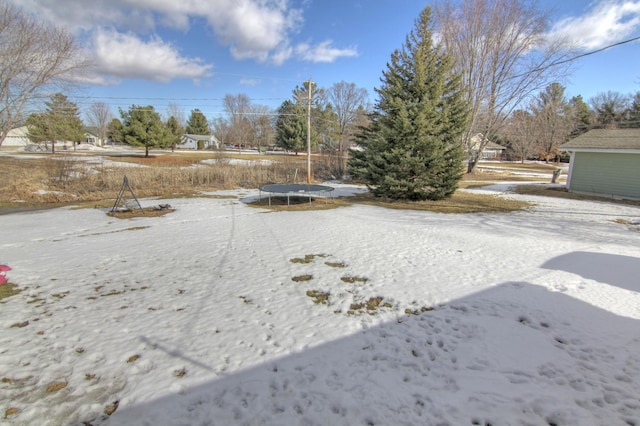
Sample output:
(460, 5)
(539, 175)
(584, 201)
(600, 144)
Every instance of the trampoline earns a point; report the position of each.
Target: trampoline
(295, 189)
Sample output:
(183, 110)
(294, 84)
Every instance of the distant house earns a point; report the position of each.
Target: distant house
(605, 162)
(90, 136)
(17, 137)
(491, 150)
(198, 142)
(20, 137)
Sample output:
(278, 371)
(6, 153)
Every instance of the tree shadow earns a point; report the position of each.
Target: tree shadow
(614, 269)
(516, 353)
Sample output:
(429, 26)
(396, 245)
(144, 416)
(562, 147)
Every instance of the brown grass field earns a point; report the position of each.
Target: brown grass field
(32, 182)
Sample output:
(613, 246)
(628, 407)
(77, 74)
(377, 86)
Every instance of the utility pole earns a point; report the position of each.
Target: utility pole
(309, 89)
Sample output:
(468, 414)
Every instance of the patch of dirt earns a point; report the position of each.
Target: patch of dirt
(145, 212)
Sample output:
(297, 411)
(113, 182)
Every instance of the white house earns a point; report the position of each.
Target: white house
(91, 136)
(491, 149)
(198, 142)
(17, 137)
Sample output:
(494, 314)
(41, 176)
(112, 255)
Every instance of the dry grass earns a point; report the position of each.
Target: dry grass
(295, 203)
(460, 202)
(145, 212)
(56, 180)
(41, 182)
(8, 290)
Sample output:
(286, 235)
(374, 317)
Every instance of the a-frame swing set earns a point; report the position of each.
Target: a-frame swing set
(124, 202)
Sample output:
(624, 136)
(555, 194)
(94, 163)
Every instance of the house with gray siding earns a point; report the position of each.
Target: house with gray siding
(605, 162)
(198, 142)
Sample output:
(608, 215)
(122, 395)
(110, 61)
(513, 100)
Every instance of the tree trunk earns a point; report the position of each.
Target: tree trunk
(472, 163)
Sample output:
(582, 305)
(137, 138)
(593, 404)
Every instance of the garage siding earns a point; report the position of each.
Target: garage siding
(608, 174)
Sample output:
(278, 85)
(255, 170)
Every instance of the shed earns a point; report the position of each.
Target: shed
(605, 162)
(189, 141)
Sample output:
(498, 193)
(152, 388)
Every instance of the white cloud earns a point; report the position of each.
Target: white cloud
(252, 29)
(127, 56)
(607, 22)
(260, 30)
(323, 52)
(78, 15)
(281, 54)
(255, 29)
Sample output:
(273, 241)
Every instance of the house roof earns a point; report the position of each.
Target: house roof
(605, 139)
(18, 131)
(479, 137)
(494, 146)
(200, 137)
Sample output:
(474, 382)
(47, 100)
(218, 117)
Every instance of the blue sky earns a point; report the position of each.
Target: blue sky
(193, 52)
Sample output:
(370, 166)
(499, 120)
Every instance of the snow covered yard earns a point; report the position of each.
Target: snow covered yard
(224, 314)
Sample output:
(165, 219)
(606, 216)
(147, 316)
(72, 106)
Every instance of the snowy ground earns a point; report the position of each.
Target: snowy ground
(194, 318)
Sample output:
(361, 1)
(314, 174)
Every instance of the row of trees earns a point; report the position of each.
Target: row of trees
(335, 114)
(142, 125)
(138, 126)
(550, 119)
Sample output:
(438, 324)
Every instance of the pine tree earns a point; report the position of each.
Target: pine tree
(197, 123)
(175, 131)
(291, 127)
(581, 116)
(60, 122)
(114, 131)
(411, 150)
(142, 126)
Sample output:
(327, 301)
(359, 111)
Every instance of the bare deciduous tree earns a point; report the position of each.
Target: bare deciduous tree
(261, 124)
(99, 116)
(346, 99)
(174, 110)
(503, 55)
(610, 108)
(35, 57)
(520, 132)
(220, 129)
(237, 108)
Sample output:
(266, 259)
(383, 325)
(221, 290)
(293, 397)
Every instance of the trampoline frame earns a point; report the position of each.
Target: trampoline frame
(296, 189)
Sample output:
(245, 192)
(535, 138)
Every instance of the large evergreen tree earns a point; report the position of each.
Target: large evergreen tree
(142, 126)
(553, 119)
(197, 123)
(60, 122)
(581, 116)
(412, 149)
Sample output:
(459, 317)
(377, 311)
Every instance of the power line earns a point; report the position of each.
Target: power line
(582, 55)
(167, 99)
(573, 58)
